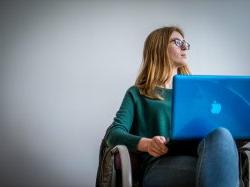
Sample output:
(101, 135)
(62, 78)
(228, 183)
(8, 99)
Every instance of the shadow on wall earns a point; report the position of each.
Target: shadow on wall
(22, 168)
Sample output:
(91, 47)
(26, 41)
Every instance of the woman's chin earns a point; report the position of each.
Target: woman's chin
(181, 63)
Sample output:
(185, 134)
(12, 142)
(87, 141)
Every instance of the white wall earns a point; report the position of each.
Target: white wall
(65, 67)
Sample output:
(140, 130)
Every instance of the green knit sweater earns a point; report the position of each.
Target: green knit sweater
(138, 117)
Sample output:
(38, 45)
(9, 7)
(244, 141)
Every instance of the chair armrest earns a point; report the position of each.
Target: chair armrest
(125, 164)
(246, 150)
(244, 161)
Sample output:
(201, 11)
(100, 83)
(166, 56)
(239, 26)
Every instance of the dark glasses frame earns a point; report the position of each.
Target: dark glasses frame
(181, 43)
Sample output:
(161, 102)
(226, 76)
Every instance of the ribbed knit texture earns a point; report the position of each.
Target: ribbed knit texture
(140, 116)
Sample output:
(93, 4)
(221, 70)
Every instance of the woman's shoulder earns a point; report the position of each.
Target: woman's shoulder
(133, 92)
(133, 89)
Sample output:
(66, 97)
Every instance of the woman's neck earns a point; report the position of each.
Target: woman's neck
(169, 83)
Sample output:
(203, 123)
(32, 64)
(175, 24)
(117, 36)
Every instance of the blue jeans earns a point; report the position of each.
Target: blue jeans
(216, 165)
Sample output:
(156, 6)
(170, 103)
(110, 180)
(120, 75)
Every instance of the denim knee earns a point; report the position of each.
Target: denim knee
(222, 134)
(217, 139)
(221, 139)
(218, 158)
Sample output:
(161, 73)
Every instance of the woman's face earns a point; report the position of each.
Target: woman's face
(177, 54)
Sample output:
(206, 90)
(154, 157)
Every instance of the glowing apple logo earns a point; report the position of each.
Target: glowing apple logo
(215, 108)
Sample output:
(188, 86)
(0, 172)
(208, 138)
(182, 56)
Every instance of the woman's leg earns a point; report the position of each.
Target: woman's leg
(217, 164)
(171, 171)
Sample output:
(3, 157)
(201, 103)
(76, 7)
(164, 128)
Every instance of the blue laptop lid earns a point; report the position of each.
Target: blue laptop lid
(202, 103)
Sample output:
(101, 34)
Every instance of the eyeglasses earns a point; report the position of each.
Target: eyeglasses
(181, 43)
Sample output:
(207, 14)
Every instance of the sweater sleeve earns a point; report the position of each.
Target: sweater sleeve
(119, 131)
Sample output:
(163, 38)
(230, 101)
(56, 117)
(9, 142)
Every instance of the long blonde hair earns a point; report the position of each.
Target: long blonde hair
(156, 68)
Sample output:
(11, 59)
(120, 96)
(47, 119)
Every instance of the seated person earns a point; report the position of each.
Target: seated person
(142, 123)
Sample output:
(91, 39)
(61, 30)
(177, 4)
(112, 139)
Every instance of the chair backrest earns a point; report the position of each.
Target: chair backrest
(244, 156)
(110, 166)
(106, 166)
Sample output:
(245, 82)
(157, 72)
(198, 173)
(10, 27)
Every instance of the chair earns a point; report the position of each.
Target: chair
(244, 158)
(117, 167)
(124, 167)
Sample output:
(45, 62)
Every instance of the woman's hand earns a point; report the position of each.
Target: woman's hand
(155, 146)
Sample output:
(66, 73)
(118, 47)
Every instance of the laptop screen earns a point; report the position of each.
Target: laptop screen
(202, 103)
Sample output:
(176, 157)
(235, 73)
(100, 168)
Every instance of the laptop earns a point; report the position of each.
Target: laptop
(201, 103)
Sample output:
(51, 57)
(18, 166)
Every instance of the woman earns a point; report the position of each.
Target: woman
(143, 120)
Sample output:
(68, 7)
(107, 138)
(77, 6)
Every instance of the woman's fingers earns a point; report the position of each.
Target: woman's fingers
(155, 154)
(157, 146)
(160, 142)
(165, 140)
(153, 149)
